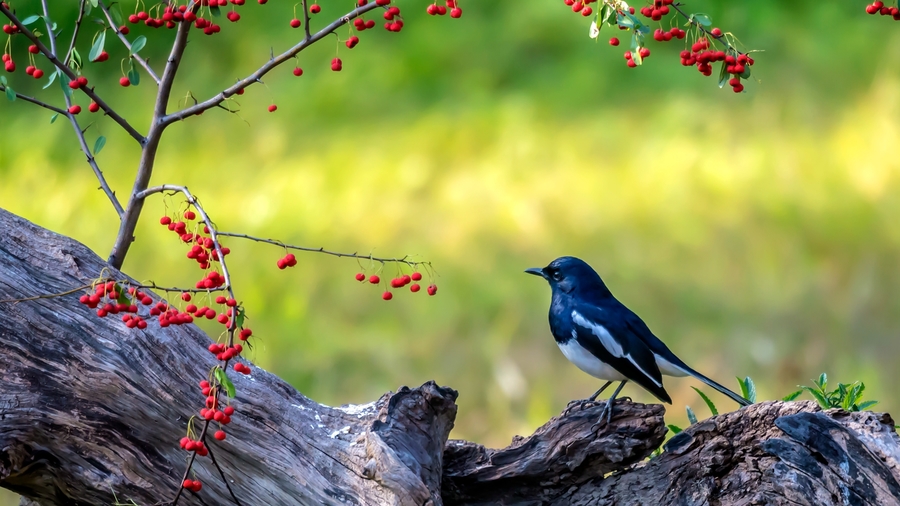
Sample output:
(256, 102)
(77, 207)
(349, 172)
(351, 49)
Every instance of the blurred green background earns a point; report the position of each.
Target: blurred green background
(754, 233)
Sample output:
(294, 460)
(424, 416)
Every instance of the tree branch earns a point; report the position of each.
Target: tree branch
(75, 33)
(36, 101)
(142, 62)
(691, 20)
(132, 214)
(268, 66)
(404, 260)
(50, 54)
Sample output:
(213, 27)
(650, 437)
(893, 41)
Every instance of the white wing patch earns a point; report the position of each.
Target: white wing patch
(608, 342)
(606, 339)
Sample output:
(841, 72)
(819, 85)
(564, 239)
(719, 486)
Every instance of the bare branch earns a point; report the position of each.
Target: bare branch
(404, 260)
(306, 18)
(268, 66)
(36, 101)
(142, 62)
(50, 54)
(75, 33)
(222, 474)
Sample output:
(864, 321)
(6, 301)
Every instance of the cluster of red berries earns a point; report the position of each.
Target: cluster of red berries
(286, 261)
(192, 485)
(703, 57)
(629, 56)
(393, 21)
(114, 301)
(399, 282)
(203, 248)
(10, 29)
(659, 9)
(8, 63)
(581, 6)
(439, 10)
(878, 7)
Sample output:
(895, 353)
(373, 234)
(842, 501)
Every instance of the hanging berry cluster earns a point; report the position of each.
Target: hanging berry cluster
(703, 39)
(879, 8)
(399, 282)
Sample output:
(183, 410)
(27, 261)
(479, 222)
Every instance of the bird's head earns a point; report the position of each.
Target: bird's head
(571, 275)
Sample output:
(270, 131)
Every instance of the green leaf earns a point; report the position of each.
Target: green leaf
(606, 14)
(817, 395)
(53, 118)
(792, 396)
(3, 80)
(239, 319)
(10, 94)
(30, 19)
(97, 47)
(138, 44)
(746, 73)
(751, 390)
(123, 295)
(690, 414)
(723, 75)
(225, 381)
(703, 19)
(709, 403)
(76, 58)
(116, 12)
(865, 405)
(674, 428)
(134, 76)
(215, 11)
(101, 141)
(622, 20)
(65, 87)
(52, 78)
(822, 382)
(95, 3)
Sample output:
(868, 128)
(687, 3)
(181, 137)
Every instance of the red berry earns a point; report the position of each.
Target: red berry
(295, 23)
(614, 41)
(124, 81)
(273, 108)
(33, 49)
(374, 279)
(197, 485)
(352, 42)
(220, 299)
(233, 16)
(416, 276)
(220, 435)
(432, 289)
(414, 288)
(315, 9)
(38, 73)
(336, 64)
(587, 11)
(298, 71)
(228, 411)
(716, 32)
(75, 109)
(387, 296)
(94, 107)
(456, 13)
(360, 276)
(188, 484)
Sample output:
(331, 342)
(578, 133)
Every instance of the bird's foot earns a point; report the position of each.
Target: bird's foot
(605, 416)
(579, 403)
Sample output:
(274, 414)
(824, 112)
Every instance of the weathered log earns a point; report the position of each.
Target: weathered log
(91, 412)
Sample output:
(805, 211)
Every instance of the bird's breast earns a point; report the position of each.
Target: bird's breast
(587, 362)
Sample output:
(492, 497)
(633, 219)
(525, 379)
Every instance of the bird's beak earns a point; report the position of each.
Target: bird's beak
(537, 271)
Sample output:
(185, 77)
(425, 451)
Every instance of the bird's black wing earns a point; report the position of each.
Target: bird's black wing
(605, 335)
(640, 329)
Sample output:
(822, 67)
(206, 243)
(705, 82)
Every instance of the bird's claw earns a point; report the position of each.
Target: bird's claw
(605, 416)
(580, 403)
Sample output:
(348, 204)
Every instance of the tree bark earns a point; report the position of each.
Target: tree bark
(91, 413)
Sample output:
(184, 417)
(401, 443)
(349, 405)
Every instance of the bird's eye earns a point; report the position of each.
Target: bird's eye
(556, 276)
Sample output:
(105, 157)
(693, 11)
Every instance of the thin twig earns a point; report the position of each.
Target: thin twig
(306, 19)
(256, 76)
(74, 122)
(222, 474)
(36, 101)
(75, 33)
(142, 62)
(404, 260)
(50, 54)
(691, 20)
(189, 464)
(129, 221)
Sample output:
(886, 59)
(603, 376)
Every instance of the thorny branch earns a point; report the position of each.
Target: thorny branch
(36, 101)
(75, 33)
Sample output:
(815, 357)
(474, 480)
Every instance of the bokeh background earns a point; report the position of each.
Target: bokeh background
(755, 233)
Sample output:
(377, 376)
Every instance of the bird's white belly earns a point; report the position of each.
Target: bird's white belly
(584, 360)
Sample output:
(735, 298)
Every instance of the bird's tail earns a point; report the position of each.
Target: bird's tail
(725, 391)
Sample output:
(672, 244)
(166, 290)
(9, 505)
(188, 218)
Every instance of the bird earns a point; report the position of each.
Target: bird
(607, 340)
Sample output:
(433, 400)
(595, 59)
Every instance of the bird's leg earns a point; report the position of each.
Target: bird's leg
(584, 402)
(607, 410)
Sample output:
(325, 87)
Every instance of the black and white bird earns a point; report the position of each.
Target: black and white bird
(607, 340)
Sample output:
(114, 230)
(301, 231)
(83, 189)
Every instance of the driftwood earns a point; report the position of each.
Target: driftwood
(91, 413)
